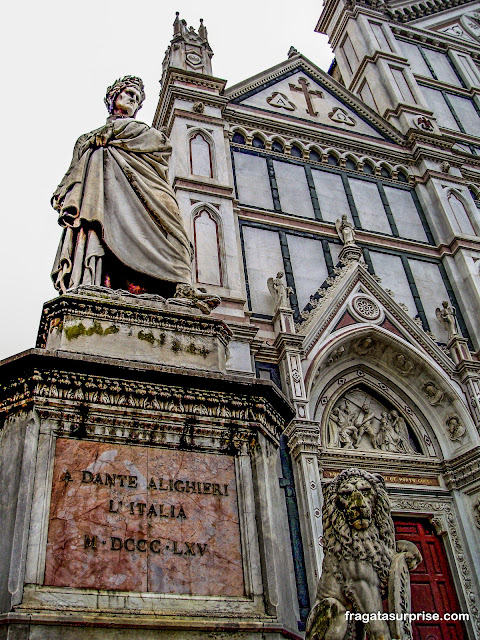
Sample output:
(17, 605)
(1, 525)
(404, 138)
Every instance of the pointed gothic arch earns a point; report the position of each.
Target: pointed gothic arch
(201, 153)
(461, 212)
(363, 413)
(208, 245)
(399, 370)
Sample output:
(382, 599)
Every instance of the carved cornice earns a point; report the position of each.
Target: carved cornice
(121, 401)
(444, 520)
(112, 408)
(288, 342)
(115, 309)
(303, 437)
(415, 10)
(463, 470)
(197, 85)
(204, 187)
(380, 463)
(374, 149)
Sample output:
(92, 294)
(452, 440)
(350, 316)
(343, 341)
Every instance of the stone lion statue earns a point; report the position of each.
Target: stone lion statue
(361, 563)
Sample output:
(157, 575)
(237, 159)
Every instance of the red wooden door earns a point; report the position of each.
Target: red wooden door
(432, 585)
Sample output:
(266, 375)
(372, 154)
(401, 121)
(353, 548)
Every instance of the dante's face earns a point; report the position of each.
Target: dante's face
(128, 102)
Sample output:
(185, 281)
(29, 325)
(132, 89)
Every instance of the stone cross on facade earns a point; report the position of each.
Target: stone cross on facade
(308, 93)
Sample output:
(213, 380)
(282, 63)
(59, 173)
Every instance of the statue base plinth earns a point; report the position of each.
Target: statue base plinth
(102, 322)
(136, 487)
(458, 347)
(351, 252)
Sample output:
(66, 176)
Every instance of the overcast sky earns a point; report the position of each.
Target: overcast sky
(59, 57)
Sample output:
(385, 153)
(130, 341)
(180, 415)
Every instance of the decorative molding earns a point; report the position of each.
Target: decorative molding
(115, 308)
(303, 437)
(366, 309)
(320, 315)
(302, 64)
(415, 10)
(117, 409)
(463, 470)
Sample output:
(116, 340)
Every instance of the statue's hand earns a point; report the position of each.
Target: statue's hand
(101, 138)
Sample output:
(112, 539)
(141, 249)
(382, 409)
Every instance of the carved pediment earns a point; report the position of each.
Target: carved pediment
(297, 89)
(356, 298)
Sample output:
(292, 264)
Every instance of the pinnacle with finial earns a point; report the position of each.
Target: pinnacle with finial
(176, 24)
(202, 30)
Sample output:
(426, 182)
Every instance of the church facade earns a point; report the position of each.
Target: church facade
(337, 217)
(264, 171)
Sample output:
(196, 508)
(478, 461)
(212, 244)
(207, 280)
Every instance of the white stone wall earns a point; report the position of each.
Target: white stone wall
(253, 185)
(293, 189)
(308, 264)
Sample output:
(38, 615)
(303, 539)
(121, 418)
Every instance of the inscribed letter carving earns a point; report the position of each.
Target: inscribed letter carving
(143, 519)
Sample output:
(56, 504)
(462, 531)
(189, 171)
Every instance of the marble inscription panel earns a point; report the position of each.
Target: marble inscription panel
(137, 518)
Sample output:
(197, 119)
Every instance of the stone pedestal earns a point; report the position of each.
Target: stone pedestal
(96, 321)
(350, 252)
(140, 498)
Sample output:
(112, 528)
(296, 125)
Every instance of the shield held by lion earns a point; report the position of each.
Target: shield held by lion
(362, 563)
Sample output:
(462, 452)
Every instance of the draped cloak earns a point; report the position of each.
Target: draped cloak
(123, 188)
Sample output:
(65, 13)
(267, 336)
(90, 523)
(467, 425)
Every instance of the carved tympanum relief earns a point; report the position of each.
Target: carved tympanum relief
(360, 421)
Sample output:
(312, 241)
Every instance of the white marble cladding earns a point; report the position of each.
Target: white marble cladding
(308, 264)
(405, 213)
(264, 259)
(394, 278)
(253, 185)
(331, 195)
(293, 189)
(432, 289)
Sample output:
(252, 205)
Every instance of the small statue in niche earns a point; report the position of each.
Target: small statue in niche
(279, 291)
(346, 231)
(447, 315)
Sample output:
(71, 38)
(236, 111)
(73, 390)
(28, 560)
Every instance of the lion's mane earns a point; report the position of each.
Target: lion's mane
(375, 544)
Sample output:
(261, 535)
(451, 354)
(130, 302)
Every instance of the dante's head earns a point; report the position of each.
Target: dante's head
(125, 96)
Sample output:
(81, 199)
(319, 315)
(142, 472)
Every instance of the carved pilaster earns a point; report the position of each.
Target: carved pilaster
(469, 371)
(303, 438)
(283, 321)
(458, 348)
(290, 350)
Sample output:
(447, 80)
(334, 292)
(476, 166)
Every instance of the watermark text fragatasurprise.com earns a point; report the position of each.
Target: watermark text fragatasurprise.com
(422, 616)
